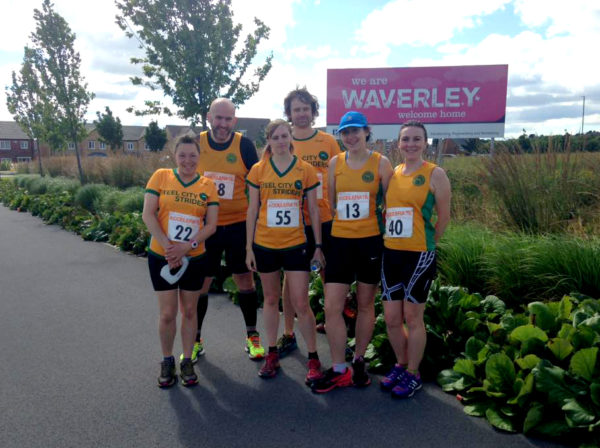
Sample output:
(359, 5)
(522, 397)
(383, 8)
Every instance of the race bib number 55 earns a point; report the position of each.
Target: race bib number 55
(283, 213)
(182, 227)
(399, 222)
(352, 205)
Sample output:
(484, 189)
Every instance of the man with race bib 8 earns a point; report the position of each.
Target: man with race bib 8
(226, 157)
(278, 186)
(416, 189)
(180, 211)
(357, 179)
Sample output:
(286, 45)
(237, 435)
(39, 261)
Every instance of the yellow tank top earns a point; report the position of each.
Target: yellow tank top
(358, 196)
(280, 224)
(318, 150)
(181, 207)
(227, 170)
(409, 207)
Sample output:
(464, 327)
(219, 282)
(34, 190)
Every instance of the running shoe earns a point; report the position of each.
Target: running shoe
(197, 351)
(270, 367)
(286, 344)
(253, 347)
(360, 378)
(314, 372)
(407, 387)
(167, 374)
(393, 378)
(187, 374)
(331, 380)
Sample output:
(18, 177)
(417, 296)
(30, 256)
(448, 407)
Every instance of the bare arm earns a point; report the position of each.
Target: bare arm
(440, 187)
(150, 218)
(251, 216)
(331, 185)
(315, 220)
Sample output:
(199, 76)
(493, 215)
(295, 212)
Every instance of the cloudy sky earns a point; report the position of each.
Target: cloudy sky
(548, 45)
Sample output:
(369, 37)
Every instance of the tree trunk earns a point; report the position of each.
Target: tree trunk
(79, 167)
(36, 143)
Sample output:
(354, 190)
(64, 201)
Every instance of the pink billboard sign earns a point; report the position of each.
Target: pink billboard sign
(461, 101)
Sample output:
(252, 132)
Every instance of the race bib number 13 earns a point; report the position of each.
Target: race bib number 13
(182, 227)
(399, 222)
(352, 205)
(223, 182)
(283, 213)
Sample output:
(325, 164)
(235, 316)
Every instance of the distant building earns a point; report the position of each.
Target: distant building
(15, 145)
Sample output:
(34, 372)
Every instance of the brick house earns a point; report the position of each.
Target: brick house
(15, 145)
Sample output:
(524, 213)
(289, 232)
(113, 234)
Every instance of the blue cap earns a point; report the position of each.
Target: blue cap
(353, 119)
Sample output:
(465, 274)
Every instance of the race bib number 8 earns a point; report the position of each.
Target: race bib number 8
(283, 213)
(353, 205)
(182, 227)
(223, 182)
(399, 222)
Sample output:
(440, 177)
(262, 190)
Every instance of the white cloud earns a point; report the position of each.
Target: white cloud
(421, 22)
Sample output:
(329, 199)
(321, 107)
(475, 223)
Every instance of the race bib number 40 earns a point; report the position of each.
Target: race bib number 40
(182, 227)
(223, 182)
(399, 222)
(353, 205)
(283, 213)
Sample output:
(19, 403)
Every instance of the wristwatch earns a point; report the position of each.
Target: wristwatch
(194, 244)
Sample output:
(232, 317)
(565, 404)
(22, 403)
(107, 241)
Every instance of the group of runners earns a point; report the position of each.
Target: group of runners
(305, 203)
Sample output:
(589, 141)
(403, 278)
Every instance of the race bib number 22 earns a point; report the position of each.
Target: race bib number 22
(182, 227)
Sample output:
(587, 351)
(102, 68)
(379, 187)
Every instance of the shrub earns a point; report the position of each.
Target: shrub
(5, 165)
(89, 196)
(131, 200)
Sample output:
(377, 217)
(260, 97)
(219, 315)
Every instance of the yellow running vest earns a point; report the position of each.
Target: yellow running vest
(318, 150)
(280, 224)
(227, 170)
(409, 207)
(181, 207)
(358, 194)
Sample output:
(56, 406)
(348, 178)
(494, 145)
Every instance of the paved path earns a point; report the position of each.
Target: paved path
(80, 357)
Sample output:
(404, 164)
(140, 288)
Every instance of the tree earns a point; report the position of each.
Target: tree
(61, 83)
(24, 101)
(190, 53)
(156, 138)
(110, 129)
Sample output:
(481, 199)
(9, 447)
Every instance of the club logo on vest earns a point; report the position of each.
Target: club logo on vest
(298, 184)
(323, 155)
(368, 177)
(419, 180)
(203, 196)
(231, 158)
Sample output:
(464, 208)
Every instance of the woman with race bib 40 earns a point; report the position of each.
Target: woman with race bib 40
(416, 189)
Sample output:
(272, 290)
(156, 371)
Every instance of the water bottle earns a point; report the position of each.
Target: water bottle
(315, 266)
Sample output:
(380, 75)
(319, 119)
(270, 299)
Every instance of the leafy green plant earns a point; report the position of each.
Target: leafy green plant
(89, 195)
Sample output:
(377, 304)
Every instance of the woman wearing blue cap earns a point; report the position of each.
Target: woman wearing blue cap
(356, 180)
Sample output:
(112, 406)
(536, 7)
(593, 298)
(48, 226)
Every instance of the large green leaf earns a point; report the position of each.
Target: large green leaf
(500, 420)
(583, 337)
(561, 348)
(473, 347)
(595, 393)
(465, 366)
(534, 416)
(566, 330)
(526, 389)
(592, 322)
(492, 304)
(564, 308)
(583, 362)
(579, 316)
(577, 414)
(500, 372)
(528, 362)
(533, 346)
(477, 409)
(541, 316)
(550, 380)
(525, 332)
(469, 301)
(448, 376)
